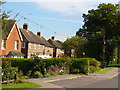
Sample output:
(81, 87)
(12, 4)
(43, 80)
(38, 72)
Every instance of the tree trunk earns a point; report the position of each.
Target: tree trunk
(118, 54)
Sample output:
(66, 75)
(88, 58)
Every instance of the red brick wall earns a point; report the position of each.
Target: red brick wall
(11, 40)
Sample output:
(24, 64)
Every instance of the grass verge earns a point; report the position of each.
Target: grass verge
(20, 86)
(101, 71)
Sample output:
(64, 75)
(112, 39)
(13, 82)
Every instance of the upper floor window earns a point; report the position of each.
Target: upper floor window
(43, 47)
(34, 46)
(16, 45)
(23, 44)
(30, 46)
(3, 45)
(39, 46)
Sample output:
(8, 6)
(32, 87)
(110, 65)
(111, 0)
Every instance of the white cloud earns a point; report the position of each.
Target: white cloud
(71, 7)
(60, 20)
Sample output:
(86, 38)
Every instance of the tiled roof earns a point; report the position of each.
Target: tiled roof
(15, 53)
(46, 42)
(55, 43)
(33, 38)
(6, 27)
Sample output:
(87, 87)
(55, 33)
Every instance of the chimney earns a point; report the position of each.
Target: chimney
(53, 37)
(38, 33)
(25, 26)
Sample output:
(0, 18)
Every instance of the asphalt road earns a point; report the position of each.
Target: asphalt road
(89, 82)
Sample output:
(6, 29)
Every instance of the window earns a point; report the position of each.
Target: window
(23, 44)
(3, 45)
(30, 46)
(16, 45)
(43, 47)
(34, 46)
(39, 46)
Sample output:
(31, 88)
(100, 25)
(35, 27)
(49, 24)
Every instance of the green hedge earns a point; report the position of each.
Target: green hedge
(55, 65)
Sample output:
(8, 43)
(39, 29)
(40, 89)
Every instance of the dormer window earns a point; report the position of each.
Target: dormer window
(16, 45)
(3, 45)
(23, 44)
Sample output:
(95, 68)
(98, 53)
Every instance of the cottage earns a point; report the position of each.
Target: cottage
(11, 39)
(34, 45)
(57, 47)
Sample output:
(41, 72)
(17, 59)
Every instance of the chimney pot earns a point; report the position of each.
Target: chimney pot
(25, 26)
(38, 33)
(53, 37)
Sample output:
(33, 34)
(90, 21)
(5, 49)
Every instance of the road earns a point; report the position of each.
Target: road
(89, 82)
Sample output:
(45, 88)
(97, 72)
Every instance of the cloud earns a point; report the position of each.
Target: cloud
(61, 20)
(71, 8)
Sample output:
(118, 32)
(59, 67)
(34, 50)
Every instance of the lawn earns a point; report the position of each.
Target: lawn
(20, 86)
(101, 71)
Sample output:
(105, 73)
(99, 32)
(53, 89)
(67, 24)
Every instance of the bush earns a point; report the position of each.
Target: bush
(9, 73)
(37, 74)
(54, 65)
(94, 62)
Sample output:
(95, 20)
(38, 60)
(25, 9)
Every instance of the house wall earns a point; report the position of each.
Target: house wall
(59, 52)
(14, 35)
(35, 49)
(49, 51)
(25, 50)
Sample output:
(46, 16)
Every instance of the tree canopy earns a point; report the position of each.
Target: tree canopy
(101, 28)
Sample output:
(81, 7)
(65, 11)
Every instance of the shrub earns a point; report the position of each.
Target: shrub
(94, 62)
(9, 73)
(37, 74)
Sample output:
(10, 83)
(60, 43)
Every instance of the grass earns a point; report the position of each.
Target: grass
(101, 71)
(20, 86)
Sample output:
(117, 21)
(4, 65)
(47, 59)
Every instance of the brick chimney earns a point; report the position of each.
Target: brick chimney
(52, 37)
(25, 26)
(38, 33)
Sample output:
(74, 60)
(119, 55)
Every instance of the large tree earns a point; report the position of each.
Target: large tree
(99, 29)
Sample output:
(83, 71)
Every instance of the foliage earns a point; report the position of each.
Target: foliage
(75, 43)
(37, 74)
(53, 66)
(9, 73)
(101, 30)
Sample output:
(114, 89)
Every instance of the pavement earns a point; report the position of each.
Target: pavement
(46, 82)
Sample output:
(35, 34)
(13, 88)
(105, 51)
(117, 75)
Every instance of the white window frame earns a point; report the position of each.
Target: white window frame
(35, 46)
(3, 45)
(23, 44)
(39, 46)
(16, 45)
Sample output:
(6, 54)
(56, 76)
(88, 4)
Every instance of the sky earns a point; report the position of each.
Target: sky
(59, 18)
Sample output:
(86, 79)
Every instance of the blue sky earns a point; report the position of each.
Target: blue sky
(61, 18)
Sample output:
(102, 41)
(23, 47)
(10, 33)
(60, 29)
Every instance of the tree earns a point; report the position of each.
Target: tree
(76, 44)
(4, 15)
(99, 29)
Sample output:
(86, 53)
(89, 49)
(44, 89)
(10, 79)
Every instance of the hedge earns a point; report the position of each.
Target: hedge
(55, 65)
